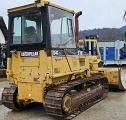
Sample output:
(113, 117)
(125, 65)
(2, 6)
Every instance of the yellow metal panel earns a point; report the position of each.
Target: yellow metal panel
(15, 63)
(9, 69)
(22, 7)
(29, 74)
(45, 66)
(111, 73)
(60, 79)
(29, 71)
(74, 62)
(13, 67)
(42, 3)
(30, 92)
(84, 62)
(49, 65)
(29, 61)
(62, 66)
(58, 65)
(68, 73)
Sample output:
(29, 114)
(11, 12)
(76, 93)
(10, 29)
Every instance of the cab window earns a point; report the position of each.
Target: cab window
(61, 27)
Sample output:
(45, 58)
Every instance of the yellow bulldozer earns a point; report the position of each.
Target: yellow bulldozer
(45, 63)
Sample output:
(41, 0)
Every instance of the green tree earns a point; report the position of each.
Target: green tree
(125, 34)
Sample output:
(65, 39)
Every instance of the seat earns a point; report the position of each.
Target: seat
(30, 35)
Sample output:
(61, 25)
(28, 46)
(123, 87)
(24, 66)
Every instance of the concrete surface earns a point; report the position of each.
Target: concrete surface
(111, 108)
(3, 83)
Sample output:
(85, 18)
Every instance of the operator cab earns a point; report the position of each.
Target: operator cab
(41, 27)
(89, 45)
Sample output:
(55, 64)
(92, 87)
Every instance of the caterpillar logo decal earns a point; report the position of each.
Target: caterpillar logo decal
(29, 54)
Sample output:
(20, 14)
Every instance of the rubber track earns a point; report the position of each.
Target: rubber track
(54, 97)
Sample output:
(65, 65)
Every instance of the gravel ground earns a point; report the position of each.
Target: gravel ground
(111, 108)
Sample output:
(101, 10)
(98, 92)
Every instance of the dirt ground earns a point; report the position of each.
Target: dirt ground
(111, 108)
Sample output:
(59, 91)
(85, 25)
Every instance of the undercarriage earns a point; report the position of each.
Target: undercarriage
(66, 100)
(70, 99)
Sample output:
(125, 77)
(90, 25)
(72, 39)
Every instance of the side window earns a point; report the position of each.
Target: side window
(64, 30)
(55, 32)
(32, 28)
(17, 30)
(61, 26)
(70, 27)
(59, 32)
(27, 28)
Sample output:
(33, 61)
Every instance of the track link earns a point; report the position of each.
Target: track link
(79, 101)
(9, 98)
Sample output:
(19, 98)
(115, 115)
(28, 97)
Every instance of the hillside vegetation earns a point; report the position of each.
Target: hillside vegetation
(106, 33)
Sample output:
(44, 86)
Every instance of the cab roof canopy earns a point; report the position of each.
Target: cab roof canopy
(40, 3)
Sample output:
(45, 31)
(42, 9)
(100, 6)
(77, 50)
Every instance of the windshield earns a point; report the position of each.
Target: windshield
(61, 25)
(27, 28)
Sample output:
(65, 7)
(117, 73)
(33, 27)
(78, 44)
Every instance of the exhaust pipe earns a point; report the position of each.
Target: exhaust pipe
(77, 26)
